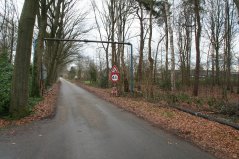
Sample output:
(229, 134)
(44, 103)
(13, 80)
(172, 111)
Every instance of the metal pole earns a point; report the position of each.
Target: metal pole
(131, 71)
(86, 41)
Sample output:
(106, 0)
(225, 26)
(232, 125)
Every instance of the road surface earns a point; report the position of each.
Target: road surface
(86, 127)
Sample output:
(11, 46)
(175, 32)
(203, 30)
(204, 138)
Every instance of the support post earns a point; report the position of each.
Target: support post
(131, 71)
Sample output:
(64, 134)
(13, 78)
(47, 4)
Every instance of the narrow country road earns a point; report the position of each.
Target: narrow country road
(86, 127)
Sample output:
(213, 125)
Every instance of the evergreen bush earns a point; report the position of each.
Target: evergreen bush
(6, 71)
(103, 80)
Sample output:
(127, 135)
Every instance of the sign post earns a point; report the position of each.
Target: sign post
(115, 77)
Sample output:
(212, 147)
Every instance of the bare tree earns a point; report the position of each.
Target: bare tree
(124, 11)
(228, 37)
(112, 8)
(8, 18)
(151, 4)
(162, 18)
(170, 29)
(103, 18)
(64, 23)
(227, 47)
(184, 25)
(140, 14)
(198, 28)
(37, 75)
(215, 34)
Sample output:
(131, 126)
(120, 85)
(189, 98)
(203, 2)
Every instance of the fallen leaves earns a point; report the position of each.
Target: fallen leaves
(219, 139)
(43, 109)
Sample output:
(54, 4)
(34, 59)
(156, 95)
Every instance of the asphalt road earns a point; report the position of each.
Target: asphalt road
(86, 127)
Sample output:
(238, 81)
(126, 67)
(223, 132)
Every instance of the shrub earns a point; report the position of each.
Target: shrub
(224, 107)
(211, 102)
(103, 81)
(6, 70)
(165, 85)
(198, 101)
(182, 97)
(229, 108)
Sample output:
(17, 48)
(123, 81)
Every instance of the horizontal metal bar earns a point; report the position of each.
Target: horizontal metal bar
(86, 41)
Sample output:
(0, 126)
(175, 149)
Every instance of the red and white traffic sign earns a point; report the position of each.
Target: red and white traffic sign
(114, 69)
(114, 75)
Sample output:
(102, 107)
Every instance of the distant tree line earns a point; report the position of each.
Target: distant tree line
(180, 57)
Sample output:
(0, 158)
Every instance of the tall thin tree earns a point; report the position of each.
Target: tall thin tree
(170, 29)
(198, 29)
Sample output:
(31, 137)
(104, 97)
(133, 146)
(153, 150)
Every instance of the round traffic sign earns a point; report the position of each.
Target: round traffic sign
(115, 77)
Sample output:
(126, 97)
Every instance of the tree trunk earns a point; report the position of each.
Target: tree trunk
(188, 50)
(217, 66)
(156, 57)
(213, 64)
(166, 47)
(197, 41)
(173, 86)
(20, 83)
(141, 48)
(151, 61)
(112, 16)
(228, 47)
(52, 63)
(37, 63)
(54, 47)
(182, 50)
(224, 90)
